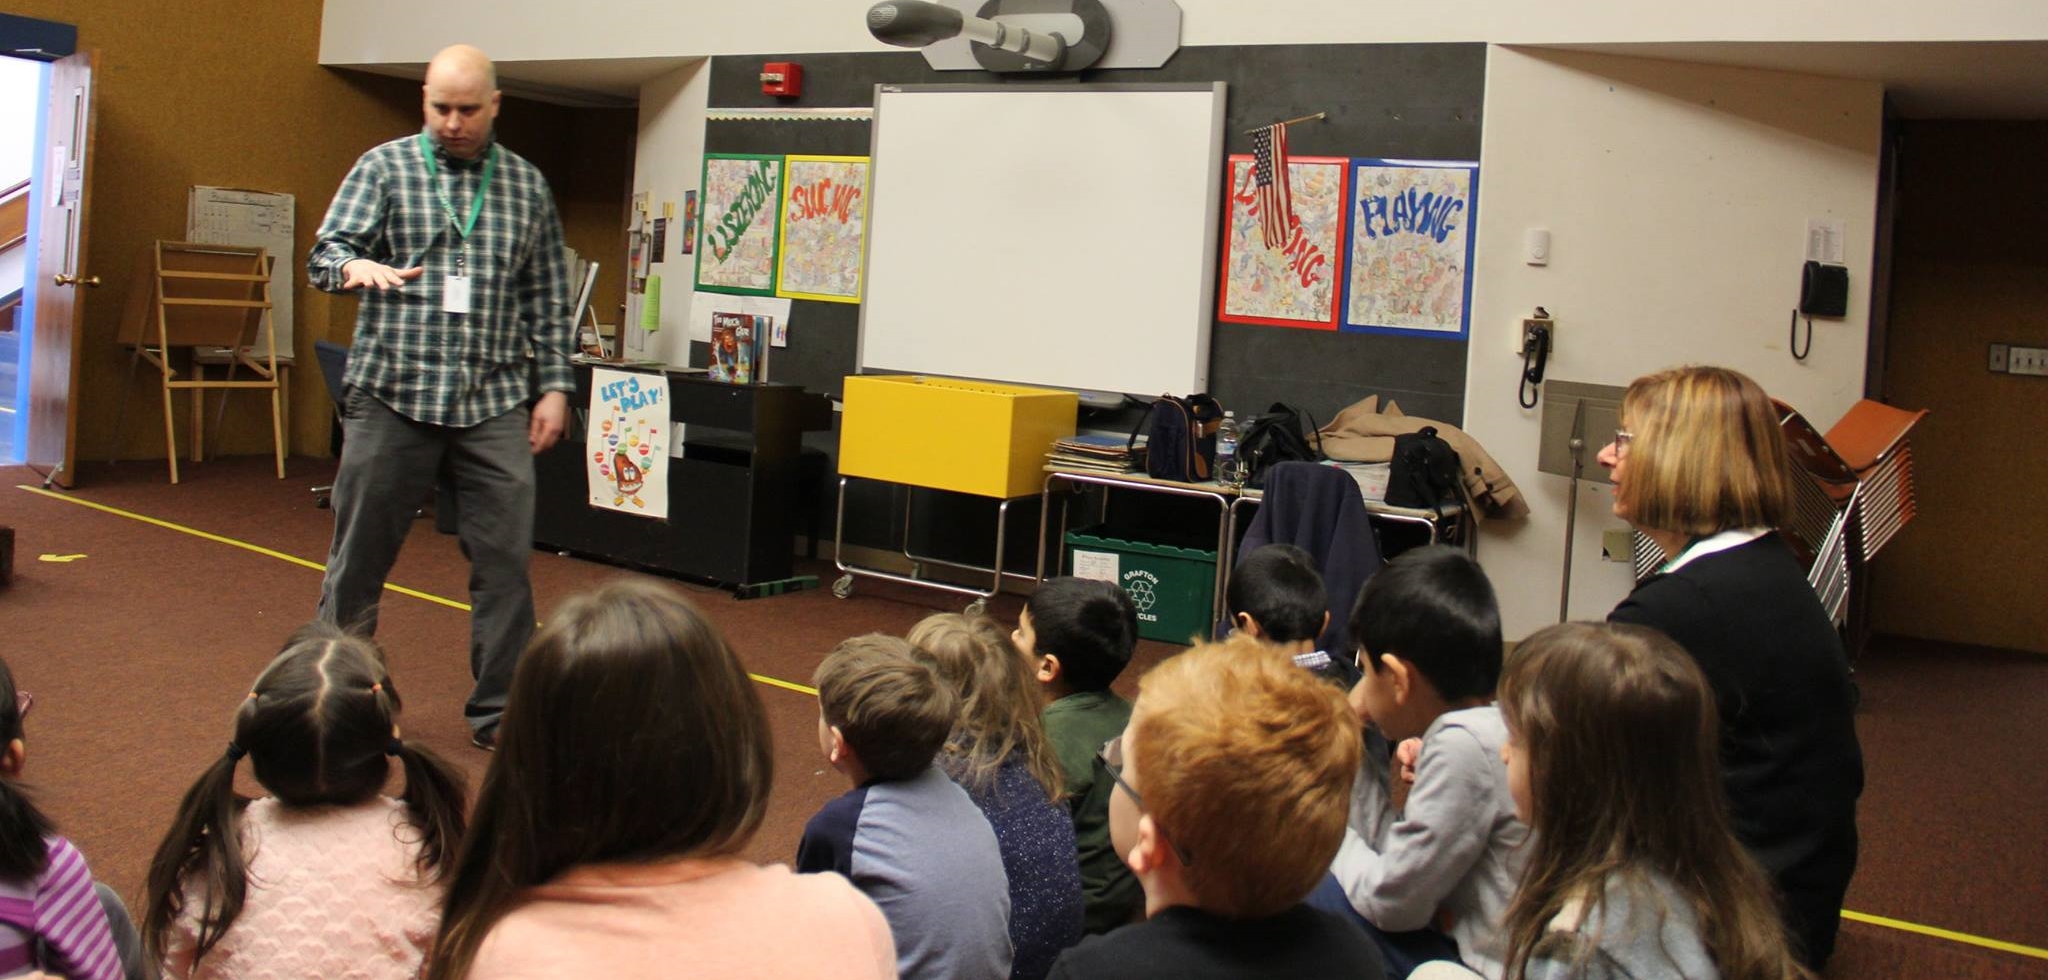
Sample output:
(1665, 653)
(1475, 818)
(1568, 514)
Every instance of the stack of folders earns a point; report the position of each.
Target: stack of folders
(1098, 452)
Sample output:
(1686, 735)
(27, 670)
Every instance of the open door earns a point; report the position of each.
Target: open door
(60, 255)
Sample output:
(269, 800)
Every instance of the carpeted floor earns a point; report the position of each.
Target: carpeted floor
(139, 648)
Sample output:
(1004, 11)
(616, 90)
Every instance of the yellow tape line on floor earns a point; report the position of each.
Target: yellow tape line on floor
(314, 565)
(1948, 934)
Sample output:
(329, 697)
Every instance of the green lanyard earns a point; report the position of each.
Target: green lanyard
(476, 206)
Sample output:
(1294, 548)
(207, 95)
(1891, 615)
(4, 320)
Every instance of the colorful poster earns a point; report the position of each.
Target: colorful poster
(627, 445)
(742, 210)
(824, 228)
(1295, 285)
(1410, 256)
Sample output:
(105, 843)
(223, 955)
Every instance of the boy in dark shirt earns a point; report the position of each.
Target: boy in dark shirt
(1081, 633)
(1233, 782)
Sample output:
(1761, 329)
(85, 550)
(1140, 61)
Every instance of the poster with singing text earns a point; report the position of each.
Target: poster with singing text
(742, 210)
(824, 228)
(1297, 284)
(1410, 255)
(626, 448)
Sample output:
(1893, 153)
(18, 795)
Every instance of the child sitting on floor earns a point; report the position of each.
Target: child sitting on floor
(1079, 634)
(1613, 760)
(56, 919)
(999, 754)
(1277, 596)
(907, 835)
(1431, 880)
(632, 771)
(326, 876)
(1232, 786)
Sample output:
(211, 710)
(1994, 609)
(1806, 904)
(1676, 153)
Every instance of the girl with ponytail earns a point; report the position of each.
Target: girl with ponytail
(325, 877)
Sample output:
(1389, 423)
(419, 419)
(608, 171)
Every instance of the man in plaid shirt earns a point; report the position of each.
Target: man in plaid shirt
(457, 250)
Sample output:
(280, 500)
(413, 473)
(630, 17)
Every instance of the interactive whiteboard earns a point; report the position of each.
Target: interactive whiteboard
(1060, 236)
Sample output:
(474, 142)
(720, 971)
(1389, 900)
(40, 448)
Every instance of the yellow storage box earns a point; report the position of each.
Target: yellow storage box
(973, 437)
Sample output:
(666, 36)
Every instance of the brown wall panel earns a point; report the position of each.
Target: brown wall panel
(1971, 269)
(232, 94)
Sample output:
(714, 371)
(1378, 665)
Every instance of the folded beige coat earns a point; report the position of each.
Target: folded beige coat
(1363, 433)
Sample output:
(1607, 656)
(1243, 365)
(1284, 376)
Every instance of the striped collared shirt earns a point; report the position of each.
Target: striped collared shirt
(456, 369)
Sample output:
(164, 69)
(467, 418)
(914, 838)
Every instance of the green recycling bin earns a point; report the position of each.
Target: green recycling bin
(1173, 587)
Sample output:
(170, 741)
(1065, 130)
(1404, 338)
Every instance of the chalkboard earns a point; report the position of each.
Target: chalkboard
(1062, 236)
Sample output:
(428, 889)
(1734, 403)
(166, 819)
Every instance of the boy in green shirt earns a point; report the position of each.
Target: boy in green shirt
(1081, 633)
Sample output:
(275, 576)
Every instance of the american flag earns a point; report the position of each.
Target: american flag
(1269, 175)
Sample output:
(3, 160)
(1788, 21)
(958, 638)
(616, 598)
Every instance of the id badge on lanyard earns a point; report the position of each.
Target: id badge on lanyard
(455, 288)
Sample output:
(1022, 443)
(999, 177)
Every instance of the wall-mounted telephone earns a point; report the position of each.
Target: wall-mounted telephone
(1823, 292)
(1535, 356)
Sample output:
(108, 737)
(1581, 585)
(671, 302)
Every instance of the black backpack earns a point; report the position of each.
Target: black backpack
(1180, 438)
(1424, 472)
(1277, 437)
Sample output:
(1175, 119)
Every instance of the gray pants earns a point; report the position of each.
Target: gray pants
(388, 467)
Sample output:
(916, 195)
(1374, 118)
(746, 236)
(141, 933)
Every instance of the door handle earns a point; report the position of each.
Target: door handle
(64, 280)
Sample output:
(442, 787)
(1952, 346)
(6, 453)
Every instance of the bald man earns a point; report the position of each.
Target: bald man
(460, 361)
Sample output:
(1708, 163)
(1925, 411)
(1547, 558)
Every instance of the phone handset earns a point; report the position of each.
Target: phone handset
(1535, 356)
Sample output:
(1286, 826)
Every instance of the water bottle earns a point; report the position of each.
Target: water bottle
(1227, 470)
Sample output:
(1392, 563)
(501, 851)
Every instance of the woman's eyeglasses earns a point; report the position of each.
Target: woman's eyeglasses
(1622, 437)
(1112, 758)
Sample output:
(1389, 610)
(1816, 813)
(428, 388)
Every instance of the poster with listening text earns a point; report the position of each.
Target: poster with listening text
(1410, 258)
(824, 228)
(1295, 284)
(626, 450)
(742, 209)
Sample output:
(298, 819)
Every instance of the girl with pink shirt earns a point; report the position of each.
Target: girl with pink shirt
(633, 768)
(325, 877)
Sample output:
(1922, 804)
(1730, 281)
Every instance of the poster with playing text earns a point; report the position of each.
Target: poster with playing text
(742, 209)
(824, 228)
(1409, 267)
(1297, 283)
(626, 450)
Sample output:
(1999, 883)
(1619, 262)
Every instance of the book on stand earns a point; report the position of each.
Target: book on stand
(739, 347)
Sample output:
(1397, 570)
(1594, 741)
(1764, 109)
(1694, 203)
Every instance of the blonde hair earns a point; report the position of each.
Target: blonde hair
(1622, 740)
(999, 700)
(1708, 454)
(1245, 762)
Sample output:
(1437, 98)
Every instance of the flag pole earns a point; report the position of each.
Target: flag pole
(1290, 122)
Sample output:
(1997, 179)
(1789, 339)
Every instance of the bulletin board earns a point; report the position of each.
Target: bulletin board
(1055, 236)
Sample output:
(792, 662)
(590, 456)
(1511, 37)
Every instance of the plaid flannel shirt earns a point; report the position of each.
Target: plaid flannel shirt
(429, 365)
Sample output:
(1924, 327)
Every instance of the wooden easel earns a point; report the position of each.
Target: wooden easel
(192, 296)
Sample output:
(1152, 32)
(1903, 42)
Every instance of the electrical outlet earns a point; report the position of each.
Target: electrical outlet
(1998, 358)
(2028, 360)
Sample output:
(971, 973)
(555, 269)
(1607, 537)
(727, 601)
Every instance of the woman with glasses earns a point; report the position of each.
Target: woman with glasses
(1699, 466)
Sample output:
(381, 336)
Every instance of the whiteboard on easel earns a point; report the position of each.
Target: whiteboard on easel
(1052, 235)
(229, 216)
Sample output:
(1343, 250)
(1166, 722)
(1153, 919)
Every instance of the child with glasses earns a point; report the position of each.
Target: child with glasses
(1230, 789)
(52, 916)
(1431, 880)
(905, 834)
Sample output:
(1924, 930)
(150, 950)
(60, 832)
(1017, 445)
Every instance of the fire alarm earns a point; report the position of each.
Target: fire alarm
(782, 78)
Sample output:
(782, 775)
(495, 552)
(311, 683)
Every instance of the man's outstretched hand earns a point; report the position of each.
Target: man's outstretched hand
(359, 273)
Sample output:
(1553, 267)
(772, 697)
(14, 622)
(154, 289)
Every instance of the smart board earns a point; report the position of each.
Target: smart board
(1052, 235)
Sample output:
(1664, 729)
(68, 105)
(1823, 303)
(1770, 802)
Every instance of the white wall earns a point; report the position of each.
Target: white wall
(1677, 197)
(409, 32)
(668, 160)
